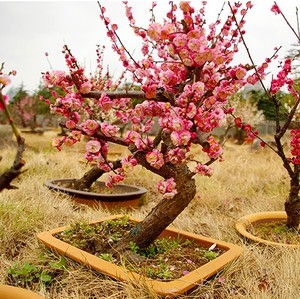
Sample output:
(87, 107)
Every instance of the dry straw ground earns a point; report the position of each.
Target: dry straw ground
(247, 181)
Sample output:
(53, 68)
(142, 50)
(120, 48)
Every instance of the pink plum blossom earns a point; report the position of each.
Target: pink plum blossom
(215, 150)
(295, 145)
(204, 170)
(5, 80)
(85, 87)
(90, 126)
(76, 135)
(128, 163)
(167, 188)
(6, 102)
(105, 102)
(275, 8)
(108, 129)
(93, 146)
(176, 155)
(155, 158)
(114, 179)
(70, 124)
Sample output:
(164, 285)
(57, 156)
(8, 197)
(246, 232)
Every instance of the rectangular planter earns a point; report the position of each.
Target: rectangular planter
(170, 288)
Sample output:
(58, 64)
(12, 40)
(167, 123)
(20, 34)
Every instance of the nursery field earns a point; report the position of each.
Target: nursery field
(249, 180)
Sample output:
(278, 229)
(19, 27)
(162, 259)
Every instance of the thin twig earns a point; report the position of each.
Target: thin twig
(288, 23)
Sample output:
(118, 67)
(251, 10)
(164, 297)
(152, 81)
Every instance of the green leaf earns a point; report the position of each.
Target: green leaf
(45, 277)
(59, 265)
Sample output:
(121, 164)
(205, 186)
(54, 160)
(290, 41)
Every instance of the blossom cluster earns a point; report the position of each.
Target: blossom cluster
(167, 188)
(295, 146)
(247, 128)
(187, 75)
(5, 79)
(6, 101)
(283, 79)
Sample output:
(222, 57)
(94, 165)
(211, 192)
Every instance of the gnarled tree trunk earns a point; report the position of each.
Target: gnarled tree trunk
(292, 204)
(163, 214)
(292, 209)
(90, 177)
(8, 176)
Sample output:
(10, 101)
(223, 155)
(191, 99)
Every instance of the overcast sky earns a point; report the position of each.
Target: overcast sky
(29, 29)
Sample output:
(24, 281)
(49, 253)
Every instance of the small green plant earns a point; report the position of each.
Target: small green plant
(150, 272)
(81, 234)
(60, 265)
(151, 251)
(133, 247)
(166, 244)
(123, 221)
(276, 231)
(164, 273)
(211, 255)
(115, 236)
(27, 273)
(161, 272)
(106, 256)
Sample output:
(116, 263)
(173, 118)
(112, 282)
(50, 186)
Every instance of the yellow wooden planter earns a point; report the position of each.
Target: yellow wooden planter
(10, 292)
(170, 288)
(243, 224)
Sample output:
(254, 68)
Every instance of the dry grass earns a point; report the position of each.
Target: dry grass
(247, 181)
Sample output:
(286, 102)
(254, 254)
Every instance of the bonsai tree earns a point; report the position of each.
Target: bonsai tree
(186, 76)
(9, 175)
(290, 159)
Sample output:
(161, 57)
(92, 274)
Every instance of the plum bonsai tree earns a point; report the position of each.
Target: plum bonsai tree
(186, 76)
(289, 157)
(9, 175)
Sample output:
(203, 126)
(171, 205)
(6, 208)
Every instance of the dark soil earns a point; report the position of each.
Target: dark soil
(166, 259)
(97, 188)
(275, 231)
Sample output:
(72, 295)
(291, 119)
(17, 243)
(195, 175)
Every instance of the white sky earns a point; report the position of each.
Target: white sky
(28, 29)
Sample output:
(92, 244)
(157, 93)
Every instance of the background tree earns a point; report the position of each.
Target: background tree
(264, 104)
(290, 159)
(247, 110)
(24, 108)
(40, 95)
(9, 175)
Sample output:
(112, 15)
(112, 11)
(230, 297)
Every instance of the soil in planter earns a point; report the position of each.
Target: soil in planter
(97, 188)
(166, 259)
(275, 231)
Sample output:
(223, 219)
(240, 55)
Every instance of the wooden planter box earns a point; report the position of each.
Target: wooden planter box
(243, 224)
(170, 288)
(123, 196)
(10, 292)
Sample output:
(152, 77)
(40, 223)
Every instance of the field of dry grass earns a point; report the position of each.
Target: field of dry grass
(247, 181)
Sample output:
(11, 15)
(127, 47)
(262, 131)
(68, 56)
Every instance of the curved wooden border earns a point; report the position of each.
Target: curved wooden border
(11, 292)
(243, 223)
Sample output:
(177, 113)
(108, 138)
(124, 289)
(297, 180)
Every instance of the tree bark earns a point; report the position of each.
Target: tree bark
(163, 214)
(292, 204)
(293, 214)
(8, 176)
(90, 177)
